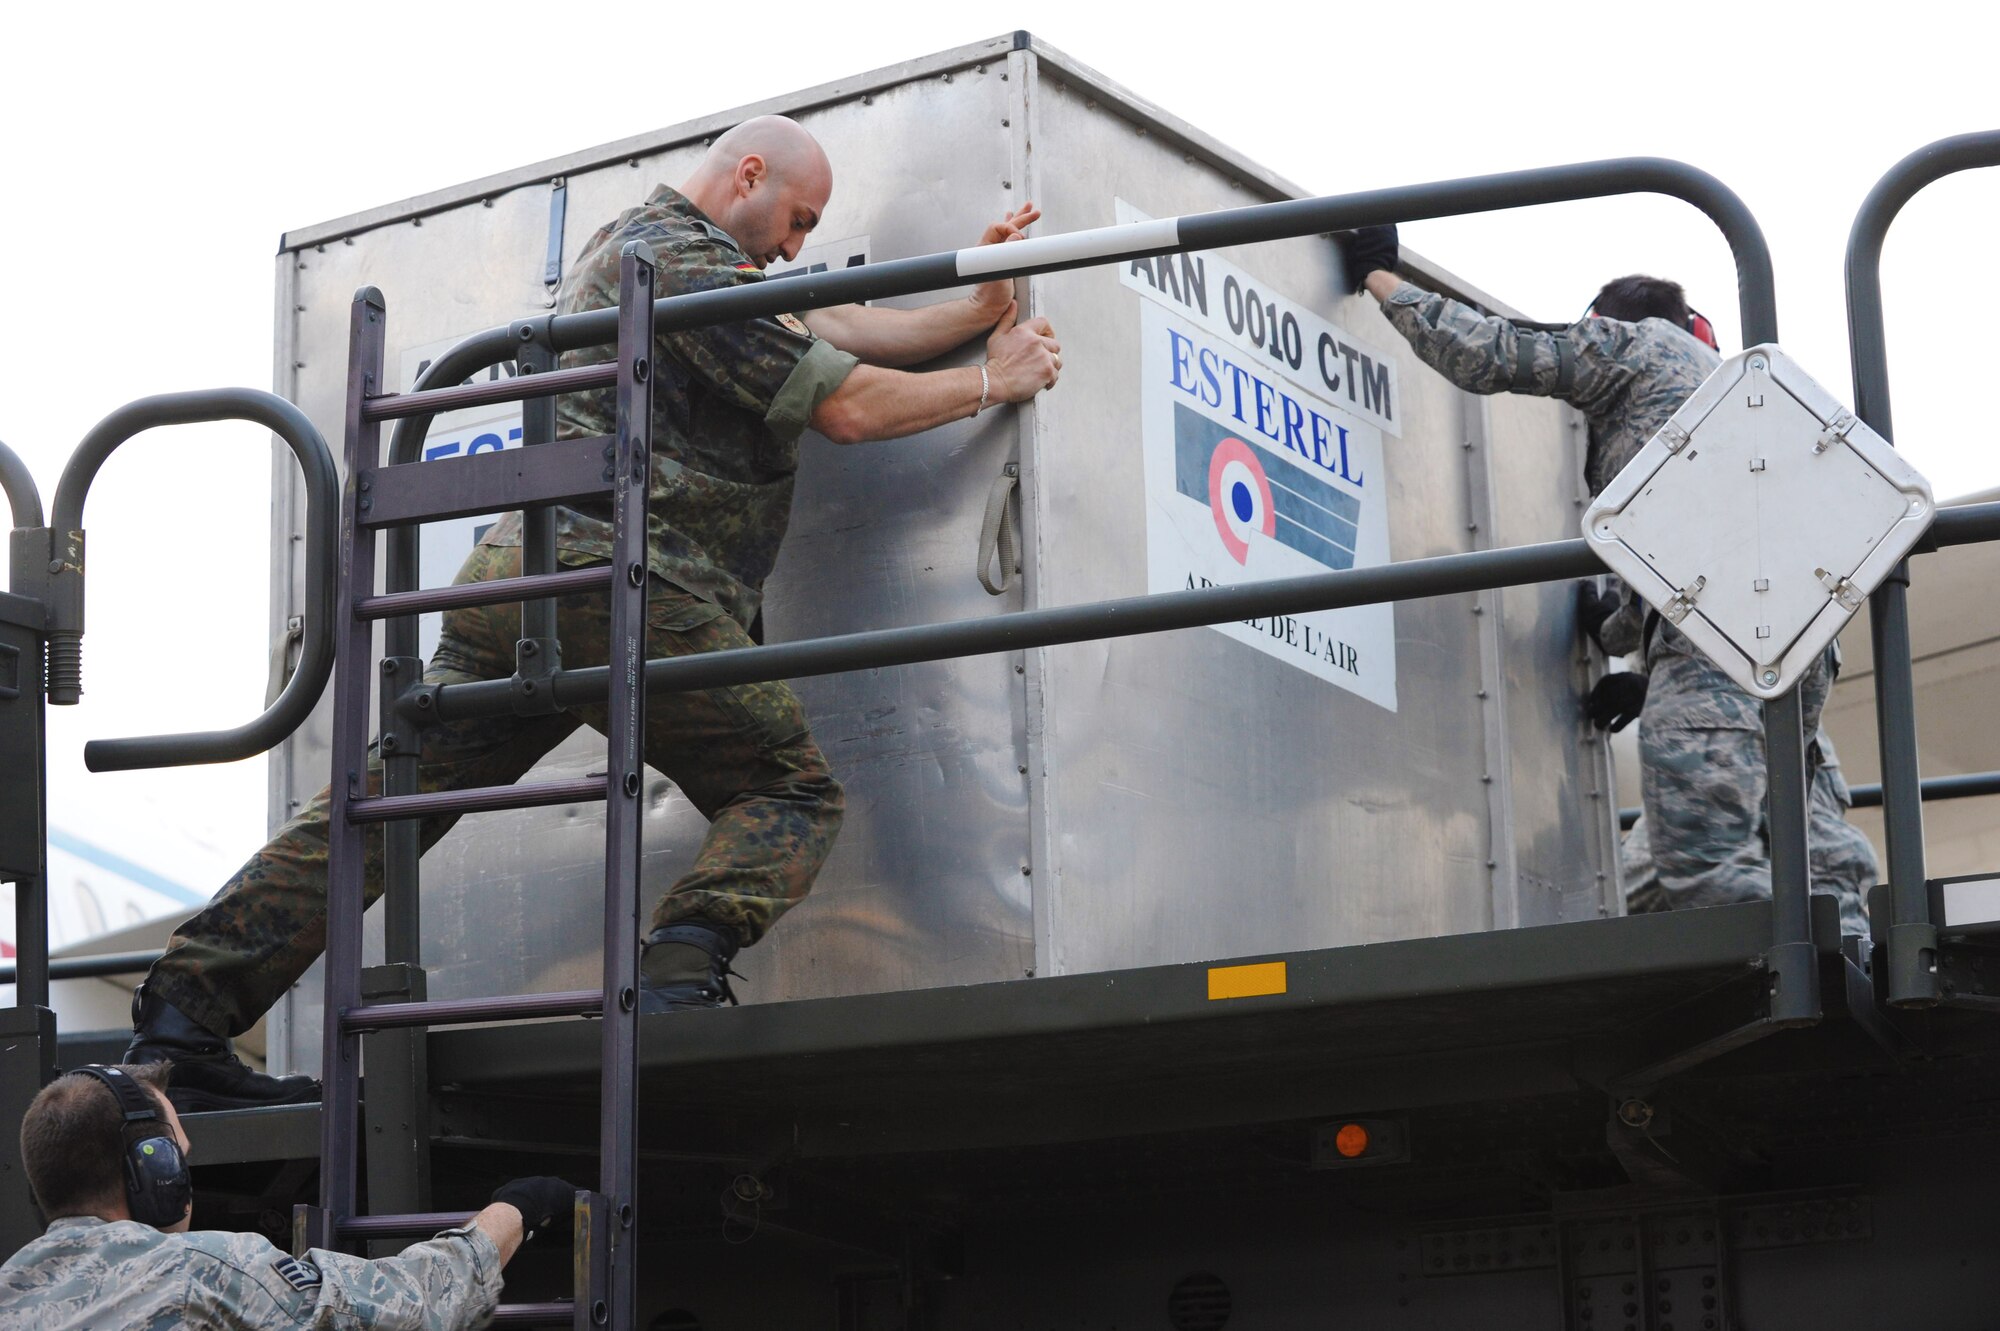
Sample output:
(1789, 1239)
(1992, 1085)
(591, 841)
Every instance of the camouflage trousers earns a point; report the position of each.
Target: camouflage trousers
(1840, 859)
(743, 755)
(1703, 783)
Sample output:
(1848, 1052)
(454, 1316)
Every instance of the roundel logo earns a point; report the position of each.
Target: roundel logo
(1240, 497)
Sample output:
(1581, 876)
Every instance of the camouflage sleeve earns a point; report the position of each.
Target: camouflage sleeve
(448, 1283)
(1829, 770)
(1486, 353)
(1624, 630)
(774, 367)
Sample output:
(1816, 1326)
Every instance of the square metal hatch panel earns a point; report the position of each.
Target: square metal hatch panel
(1759, 518)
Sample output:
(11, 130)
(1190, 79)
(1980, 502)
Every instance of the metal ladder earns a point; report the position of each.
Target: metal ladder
(395, 498)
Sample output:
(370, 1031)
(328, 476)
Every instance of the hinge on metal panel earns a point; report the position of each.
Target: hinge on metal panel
(1835, 432)
(1674, 437)
(1840, 588)
(1677, 607)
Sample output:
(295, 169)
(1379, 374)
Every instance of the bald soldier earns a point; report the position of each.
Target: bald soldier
(729, 406)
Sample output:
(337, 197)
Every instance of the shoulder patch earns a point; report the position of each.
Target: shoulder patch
(795, 324)
(299, 1274)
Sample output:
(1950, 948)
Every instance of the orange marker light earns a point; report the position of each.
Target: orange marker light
(1351, 1140)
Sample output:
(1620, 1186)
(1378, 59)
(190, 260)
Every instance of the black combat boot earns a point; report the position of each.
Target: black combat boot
(206, 1073)
(686, 965)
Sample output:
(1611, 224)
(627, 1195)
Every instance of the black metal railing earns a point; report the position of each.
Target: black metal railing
(1911, 935)
(61, 584)
(24, 500)
(1971, 785)
(23, 825)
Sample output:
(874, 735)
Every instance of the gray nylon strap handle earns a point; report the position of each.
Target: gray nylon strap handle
(996, 533)
(1524, 369)
(282, 665)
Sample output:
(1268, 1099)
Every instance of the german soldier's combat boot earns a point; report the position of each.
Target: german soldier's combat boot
(206, 1073)
(686, 965)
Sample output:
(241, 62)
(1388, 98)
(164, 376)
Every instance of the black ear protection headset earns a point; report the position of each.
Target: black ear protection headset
(157, 1186)
(1698, 326)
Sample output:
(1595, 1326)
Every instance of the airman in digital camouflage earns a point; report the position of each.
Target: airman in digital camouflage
(1841, 861)
(730, 405)
(1628, 365)
(118, 1253)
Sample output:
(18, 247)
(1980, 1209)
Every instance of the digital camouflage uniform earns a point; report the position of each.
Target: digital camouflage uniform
(730, 403)
(1842, 861)
(1701, 737)
(87, 1274)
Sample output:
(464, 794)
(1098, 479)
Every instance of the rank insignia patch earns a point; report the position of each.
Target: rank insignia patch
(300, 1275)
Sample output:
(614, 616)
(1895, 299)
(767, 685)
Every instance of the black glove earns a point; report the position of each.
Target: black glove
(1593, 608)
(1368, 249)
(1615, 702)
(547, 1205)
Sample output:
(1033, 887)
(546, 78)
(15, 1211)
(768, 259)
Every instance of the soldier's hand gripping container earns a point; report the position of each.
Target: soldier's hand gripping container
(1378, 773)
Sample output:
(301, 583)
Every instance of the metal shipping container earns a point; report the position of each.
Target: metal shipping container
(1374, 774)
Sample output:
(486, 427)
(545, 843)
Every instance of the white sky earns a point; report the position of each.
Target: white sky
(153, 155)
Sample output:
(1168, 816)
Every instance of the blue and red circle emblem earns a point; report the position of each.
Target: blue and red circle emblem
(1239, 496)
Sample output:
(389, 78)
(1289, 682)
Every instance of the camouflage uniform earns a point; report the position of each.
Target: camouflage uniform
(87, 1274)
(730, 403)
(1701, 737)
(1841, 859)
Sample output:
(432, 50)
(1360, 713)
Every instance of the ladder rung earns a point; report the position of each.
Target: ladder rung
(478, 799)
(437, 401)
(457, 1011)
(534, 1314)
(493, 482)
(423, 1223)
(498, 591)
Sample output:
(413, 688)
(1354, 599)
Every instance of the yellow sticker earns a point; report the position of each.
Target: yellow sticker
(1254, 981)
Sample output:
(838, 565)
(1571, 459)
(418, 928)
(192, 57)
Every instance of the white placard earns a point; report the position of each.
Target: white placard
(1275, 334)
(1249, 478)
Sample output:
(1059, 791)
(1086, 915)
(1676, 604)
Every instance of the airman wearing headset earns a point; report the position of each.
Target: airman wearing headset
(107, 1159)
(1627, 365)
